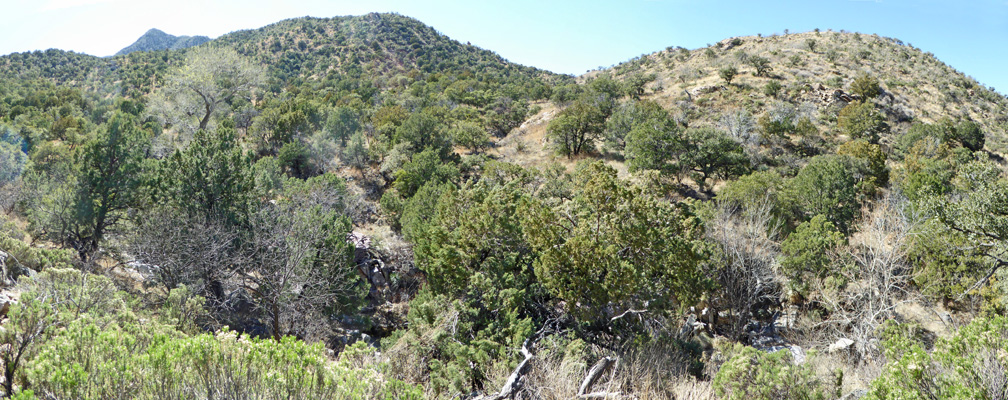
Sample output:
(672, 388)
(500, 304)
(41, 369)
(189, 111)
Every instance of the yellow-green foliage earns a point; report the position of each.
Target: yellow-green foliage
(751, 374)
(969, 365)
(90, 345)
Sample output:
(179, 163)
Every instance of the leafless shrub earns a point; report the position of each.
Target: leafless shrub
(747, 274)
(877, 282)
(176, 249)
(741, 126)
(298, 266)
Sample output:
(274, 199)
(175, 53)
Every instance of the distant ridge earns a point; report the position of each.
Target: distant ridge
(156, 39)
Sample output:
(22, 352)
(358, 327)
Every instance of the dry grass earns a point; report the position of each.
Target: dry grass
(529, 146)
(652, 372)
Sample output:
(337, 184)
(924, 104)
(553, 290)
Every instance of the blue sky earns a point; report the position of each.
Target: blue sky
(561, 36)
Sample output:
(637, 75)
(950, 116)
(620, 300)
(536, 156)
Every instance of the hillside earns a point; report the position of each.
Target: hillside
(155, 39)
(809, 67)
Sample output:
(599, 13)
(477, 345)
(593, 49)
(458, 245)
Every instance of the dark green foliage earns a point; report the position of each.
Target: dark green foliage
(78, 208)
(772, 88)
(826, 186)
(631, 114)
(655, 145)
(575, 129)
(964, 247)
(710, 153)
(970, 135)
(615, 246)
(810, 252)
(475, 231)
(212, 178)
(635, 84)
(728, 73)
(457, 342)
(703, 152)
(342, 123)
(760, 64)
(420, 131)
(425, 166)
(866, 87)
(862, 120)
(506, 114)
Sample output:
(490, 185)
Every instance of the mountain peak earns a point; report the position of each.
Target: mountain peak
(156, 39)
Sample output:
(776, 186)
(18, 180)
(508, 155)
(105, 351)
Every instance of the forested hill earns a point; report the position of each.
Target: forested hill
(155, 39)
(386, 49)
(389, 48)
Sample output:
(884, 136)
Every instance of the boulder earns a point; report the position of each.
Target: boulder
(5, 304)
(841, 344)
(705, 89)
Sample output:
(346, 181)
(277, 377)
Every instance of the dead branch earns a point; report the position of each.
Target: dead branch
(630, 311)
(511, 385)
(594, 373)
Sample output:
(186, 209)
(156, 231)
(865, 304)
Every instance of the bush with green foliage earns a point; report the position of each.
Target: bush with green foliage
(728, 73)
(751, 374)
(631, 114)
(750, 193)
(612, 247)
(212, 179)
(711, 153)
(87, 200)
(866, 87)
(73, 335)
(760, 64)
(575, 129)
(871, 162)
(827, 186)
(971, 364)
(772, 89)
(862, 120)
(963, 250)
(811, 252)
(425, 166)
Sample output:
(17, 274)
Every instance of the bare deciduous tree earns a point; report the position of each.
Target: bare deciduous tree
(178, 249)
(747, 275)
(878, 282)
(299, 266)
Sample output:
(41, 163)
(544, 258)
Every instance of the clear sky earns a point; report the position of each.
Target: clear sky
(561, 36)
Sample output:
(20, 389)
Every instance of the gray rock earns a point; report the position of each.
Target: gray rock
(854, 395)
(840, 345)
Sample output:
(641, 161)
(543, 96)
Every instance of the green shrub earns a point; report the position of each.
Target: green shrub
(76, 337)
(728, 73)
(862, 120)
(810, 252)
(969, 365)
(772, 89)
(866, 86)
(751, 374)
(826, 185)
